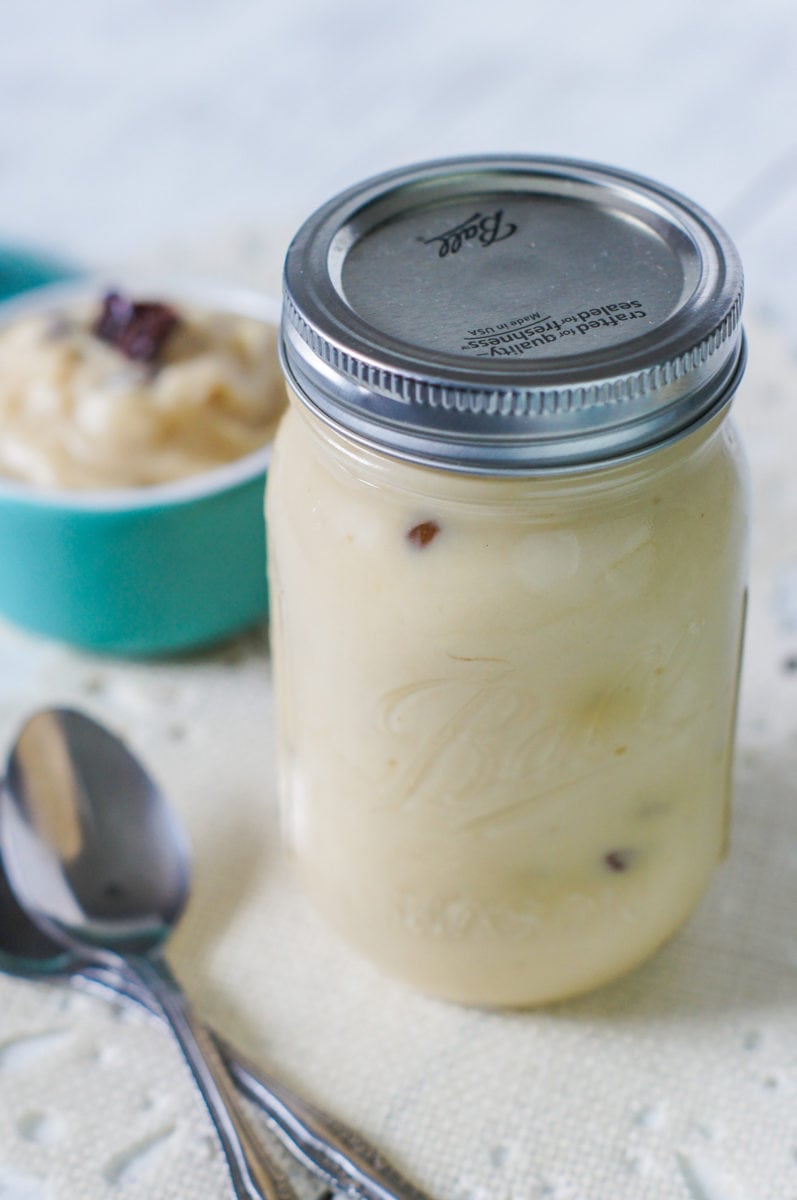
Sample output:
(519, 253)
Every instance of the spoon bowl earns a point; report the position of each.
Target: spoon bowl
(90, 842)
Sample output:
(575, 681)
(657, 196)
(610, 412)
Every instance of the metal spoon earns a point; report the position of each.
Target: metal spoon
(97, 858)
(331, 1150)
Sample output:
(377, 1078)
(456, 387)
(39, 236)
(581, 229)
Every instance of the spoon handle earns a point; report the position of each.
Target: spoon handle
(331, 1150)
(324, 1144)
(254, 1176)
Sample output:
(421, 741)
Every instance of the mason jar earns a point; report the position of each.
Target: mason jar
(507, 519)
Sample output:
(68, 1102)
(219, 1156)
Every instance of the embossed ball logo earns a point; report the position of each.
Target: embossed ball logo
(483, 229)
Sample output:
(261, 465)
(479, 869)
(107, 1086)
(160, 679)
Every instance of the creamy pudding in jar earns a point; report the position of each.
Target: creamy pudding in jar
(507, 518)
(133, 392)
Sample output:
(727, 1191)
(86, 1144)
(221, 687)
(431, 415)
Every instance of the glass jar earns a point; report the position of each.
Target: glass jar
(507, 656)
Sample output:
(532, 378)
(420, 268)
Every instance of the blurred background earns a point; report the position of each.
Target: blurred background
(200, 132)
(196, 135)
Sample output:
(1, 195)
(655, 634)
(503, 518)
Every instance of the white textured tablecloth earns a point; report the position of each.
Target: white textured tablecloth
(677, 1083)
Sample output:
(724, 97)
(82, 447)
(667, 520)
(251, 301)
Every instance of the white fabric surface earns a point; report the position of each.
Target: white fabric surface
(677, 1083)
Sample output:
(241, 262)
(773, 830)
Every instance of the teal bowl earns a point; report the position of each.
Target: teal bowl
(139, 571)
(22, 269)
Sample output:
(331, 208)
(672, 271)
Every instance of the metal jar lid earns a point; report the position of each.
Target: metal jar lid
(508, 315)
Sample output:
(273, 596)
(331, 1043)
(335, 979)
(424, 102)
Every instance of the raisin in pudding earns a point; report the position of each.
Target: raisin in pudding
(133, 393)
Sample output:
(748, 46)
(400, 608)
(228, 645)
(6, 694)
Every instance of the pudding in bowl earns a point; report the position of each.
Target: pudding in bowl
(135, 434)
(132, 393)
